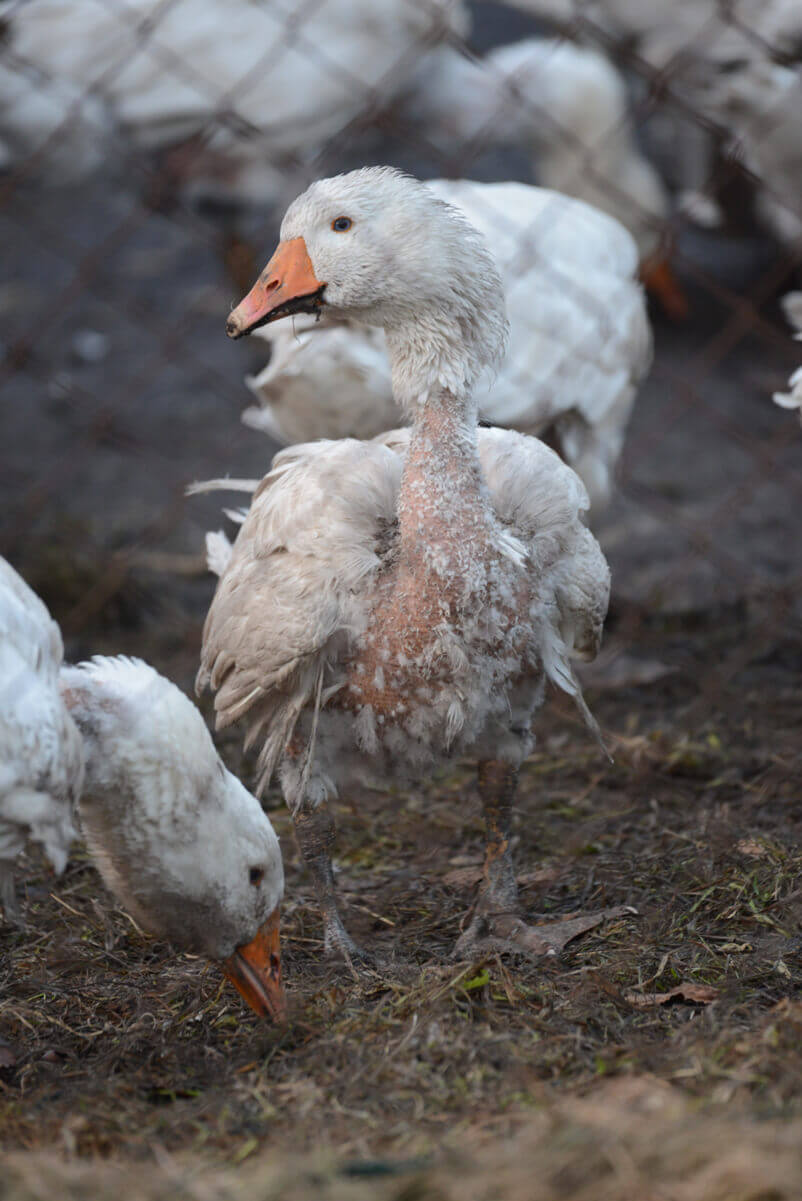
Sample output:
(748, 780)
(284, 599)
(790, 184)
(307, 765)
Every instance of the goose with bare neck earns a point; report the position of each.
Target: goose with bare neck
(402, 601)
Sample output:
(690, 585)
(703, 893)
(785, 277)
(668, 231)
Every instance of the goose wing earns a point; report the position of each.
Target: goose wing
(293, 592)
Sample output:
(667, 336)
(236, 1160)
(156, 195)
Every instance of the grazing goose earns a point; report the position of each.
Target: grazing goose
(397, 602)
(41, 754)
(177, 838)
(580, 341)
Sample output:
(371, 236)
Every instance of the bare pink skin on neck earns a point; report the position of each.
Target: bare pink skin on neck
(446, 527)
(443, 499)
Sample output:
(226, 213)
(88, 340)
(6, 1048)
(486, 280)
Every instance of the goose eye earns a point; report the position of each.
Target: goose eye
(256, 875)
(341, 224)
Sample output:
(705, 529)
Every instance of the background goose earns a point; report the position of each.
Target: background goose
(400, 601)
(792, 399)
(732, 65)
(580, 341)
(567, 106)
(262, 85)
(178, 839)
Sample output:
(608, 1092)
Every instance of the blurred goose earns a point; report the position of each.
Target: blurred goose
(760, 106)
(41, 753)
(580, 341)
(568, 106)
(734, 64)
(253, 88)
(398, 602)
(177, 838)
(792, 399)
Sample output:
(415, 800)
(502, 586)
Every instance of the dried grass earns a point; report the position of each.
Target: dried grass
(113, 1050)
(631, 1140)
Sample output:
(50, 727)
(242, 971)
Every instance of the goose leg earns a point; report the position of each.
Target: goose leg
(498, 891)
(495, 924)
(315, 831)
(8, 895)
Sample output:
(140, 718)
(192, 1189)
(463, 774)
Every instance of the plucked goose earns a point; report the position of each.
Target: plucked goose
(177, 838)
(580, 340)
(401, 601)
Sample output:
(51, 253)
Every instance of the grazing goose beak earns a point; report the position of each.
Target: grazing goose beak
(255, 971)
(287, 285)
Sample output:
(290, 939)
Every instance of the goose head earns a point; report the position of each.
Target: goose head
(377, 247)
(177, 838)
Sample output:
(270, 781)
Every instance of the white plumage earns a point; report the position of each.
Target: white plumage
(792, 399)
(320, 530)
(175, 835)
(264, 84)
(399, 601)
(760, 106)
(580, 341)
(732, 65)
(567, 105)
(41, 756)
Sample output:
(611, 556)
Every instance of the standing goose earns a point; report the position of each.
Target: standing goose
(580, 341)
(177, 838)
(405, 600)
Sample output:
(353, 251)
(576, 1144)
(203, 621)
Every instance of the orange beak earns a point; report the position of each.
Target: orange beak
(255, 971)
(287, 285)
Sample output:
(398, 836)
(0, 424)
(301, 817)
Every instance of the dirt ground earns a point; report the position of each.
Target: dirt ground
(403, 1082)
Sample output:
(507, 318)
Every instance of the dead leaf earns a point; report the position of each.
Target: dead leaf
(693, 994)
(751, 847)
(467, 877)
(7, 1057)
(555, 935)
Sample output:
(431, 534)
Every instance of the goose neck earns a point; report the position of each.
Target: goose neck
(443, 496)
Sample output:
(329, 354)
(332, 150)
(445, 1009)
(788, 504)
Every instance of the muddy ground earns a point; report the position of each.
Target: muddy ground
(119, 387)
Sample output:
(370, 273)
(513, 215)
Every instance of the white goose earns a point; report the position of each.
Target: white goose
(178, 839)
(400, 601)
(566, 105)
(580, 341)
(760, 106)
(261, 85)
(729, 63)
(792, 399)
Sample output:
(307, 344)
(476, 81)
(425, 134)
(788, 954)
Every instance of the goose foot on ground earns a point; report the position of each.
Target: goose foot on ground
(495, 924)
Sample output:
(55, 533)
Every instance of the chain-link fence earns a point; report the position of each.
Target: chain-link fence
(148, 150)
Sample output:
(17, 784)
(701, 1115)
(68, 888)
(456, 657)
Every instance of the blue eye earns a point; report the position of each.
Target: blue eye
(341, 224)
